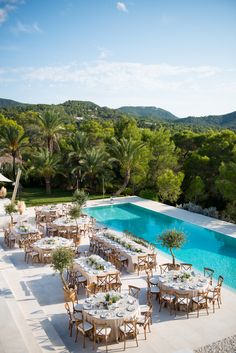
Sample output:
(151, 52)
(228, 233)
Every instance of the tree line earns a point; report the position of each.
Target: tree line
(121, 156)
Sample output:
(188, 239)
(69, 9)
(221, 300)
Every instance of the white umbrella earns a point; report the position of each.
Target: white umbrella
(4, 179)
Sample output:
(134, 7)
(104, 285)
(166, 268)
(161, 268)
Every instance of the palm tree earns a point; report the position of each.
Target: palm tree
(95, 161)
(127, 153)
(47, 165)
(51, 125)
(79, 144)
(13, 140)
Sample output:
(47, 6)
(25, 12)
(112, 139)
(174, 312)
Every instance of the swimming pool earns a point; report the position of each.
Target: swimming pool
(203, 248)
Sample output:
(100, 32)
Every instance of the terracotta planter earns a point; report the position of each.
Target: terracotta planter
(71, 294)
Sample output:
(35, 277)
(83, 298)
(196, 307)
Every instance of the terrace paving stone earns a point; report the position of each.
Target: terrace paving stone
(40, 297)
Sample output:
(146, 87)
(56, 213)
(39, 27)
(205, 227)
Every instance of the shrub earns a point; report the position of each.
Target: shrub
(148, 194)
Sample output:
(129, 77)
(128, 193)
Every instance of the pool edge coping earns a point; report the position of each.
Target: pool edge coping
(214, 224)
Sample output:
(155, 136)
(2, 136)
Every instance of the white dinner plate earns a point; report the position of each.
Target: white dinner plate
(120, 314)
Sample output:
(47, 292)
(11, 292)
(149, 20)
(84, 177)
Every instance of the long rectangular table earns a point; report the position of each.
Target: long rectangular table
(131, 255)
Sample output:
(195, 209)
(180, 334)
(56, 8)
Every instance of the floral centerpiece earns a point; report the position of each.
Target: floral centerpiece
(50, 241)
(182, 277)
(111, 299)
(125, 243)
(95, 262)
(23, 228)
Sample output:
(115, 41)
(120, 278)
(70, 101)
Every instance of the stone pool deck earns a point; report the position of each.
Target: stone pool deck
(32, 308)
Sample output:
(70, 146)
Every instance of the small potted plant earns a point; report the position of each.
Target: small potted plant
(63, 258)
(172, 239)
(10, 209)
(80, 197)
(75, 213)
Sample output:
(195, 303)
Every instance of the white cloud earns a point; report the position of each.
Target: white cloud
(184, 90)
(121, 6)
(122, 74)
(3, 15)
(8, 6)
(26, 28)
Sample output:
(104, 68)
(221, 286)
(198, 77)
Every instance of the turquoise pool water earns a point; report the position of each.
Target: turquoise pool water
(203, 248)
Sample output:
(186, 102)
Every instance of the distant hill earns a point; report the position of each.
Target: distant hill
(223, 121)
(7, 103)
(151, 115)
(148, 112)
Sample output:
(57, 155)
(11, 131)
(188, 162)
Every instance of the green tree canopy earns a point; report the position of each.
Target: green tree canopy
(169, 185)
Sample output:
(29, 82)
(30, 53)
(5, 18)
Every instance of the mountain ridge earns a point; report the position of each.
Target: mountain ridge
(89, 109)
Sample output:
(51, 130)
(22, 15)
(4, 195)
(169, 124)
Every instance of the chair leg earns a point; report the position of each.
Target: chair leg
(136, 336)
(70, 328)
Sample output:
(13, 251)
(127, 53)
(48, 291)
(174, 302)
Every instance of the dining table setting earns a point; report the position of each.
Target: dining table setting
(110, 308)
(184, 282)
(125, 246)
(51, 243)
(67, 222)
(23, 231)
(92, 266)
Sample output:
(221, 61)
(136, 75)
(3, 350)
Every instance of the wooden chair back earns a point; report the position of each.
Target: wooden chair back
(220, 281)
(102, 282)
(134, 291)
(185, 267)
(164, 268)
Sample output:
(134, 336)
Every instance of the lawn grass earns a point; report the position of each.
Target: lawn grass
(38, 196)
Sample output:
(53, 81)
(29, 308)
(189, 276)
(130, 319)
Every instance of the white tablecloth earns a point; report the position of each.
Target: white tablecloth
(131, 255)
(90, 273)
(125, 308)
(67, 222)
(22, 232)
(51, 244)
(192, 286)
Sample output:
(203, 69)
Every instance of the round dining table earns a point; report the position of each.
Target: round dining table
(97, 311)
(22, 232)
(184, 282)
(68, 222)
(51, 244)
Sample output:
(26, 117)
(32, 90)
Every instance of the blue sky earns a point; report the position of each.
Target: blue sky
(179, 55)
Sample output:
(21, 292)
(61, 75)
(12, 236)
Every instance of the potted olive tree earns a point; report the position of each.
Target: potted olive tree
(75, 213)
(63, 258)
(172, 239)
(80, 197)
(10, 209)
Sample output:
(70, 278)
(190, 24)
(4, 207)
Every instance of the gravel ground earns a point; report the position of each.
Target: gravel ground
(227, 345)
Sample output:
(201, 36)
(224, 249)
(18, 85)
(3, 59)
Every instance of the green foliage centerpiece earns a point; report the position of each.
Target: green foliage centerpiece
(111, 299)
(172, 239)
